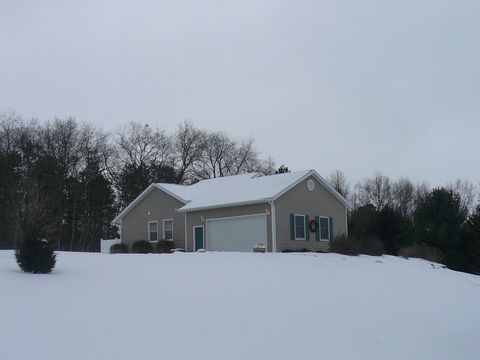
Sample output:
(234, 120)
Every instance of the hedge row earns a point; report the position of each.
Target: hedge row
(143, 247)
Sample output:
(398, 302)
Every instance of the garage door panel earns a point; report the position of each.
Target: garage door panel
(237, 233)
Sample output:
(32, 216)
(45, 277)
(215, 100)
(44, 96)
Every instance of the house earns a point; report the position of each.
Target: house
(290, 211)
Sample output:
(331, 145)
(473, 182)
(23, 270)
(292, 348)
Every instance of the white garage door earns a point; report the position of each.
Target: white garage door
(236, 233)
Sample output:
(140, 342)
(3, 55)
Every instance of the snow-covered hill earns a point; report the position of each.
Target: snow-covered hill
(238, 306)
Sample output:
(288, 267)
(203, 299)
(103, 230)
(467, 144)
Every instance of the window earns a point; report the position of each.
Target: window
(324, 228)
(168, 229)
(153, 230)
(299, 227)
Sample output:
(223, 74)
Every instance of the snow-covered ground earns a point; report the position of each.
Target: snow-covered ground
(238, 306)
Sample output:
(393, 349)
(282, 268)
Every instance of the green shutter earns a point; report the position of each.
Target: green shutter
(307, 227)
(292, 227)
(330, 219)
(317, 233)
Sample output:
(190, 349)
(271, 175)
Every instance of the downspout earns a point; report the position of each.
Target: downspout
(346, 221)
(186, 243)
(274, 226)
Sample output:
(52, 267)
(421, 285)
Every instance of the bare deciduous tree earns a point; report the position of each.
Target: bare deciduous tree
(61, 140)
(466, 191)
(267, 166)
(421, 191)
(140, 145)
(376, 191)
(188, 145)
(339, 182)
(223, 156)
(403, 196)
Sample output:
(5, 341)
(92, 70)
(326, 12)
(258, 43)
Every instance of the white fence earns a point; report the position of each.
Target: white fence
(106, 243)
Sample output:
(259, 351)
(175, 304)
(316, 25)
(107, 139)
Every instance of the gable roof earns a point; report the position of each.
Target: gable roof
(235, 190)
(170, 190)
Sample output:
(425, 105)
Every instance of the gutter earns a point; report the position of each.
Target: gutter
(218, 206)
(273, 219)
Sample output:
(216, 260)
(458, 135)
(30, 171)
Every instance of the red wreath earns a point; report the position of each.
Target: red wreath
(313, 225)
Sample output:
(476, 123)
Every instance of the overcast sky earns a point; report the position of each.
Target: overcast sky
(361, 86)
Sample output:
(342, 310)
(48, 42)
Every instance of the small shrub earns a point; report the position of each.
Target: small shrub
(36, 256)
(371, 246)
(344, 245)
(141, 247)
(119, 248)
(422, 251)
(164, 246)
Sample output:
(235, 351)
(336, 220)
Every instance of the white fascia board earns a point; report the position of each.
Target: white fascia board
(218, 206)
(144, 193)
(159, 186)
(322, 181)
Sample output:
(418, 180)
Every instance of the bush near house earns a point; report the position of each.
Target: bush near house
(119, 249)
(142, 247)
(164, 246)
(344, 245)
(371, 245)
(350, 245)
(303, 250)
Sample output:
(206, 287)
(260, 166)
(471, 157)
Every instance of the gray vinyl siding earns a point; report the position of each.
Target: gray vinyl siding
(299, 200)
(161, 206)
(194, 219)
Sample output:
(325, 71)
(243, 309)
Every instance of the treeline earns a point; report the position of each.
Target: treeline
(402, 218)
(65, 181)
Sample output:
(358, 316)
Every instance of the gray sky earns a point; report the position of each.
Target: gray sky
(361, 86)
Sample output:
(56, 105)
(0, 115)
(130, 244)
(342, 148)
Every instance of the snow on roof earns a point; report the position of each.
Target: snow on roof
(241, 189)
(180, 191)
(232, 190)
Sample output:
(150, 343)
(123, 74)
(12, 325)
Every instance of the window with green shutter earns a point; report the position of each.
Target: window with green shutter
(307, 227)
(300, 229)
(324, 228)
(330, 228)
(292, 226)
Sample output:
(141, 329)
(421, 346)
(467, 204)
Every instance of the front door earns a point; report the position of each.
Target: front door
(198, 237)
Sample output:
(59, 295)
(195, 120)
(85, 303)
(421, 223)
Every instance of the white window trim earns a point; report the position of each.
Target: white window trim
(163, 224)
(148, 230)
(304, 227)
(320, 227)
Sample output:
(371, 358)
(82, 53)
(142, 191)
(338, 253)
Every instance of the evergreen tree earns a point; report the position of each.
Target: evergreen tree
(35, 255)
(394, 229)
(362, 222)
(468, 256)
(438, 220)
(282, 169)
(96, 207)
(135, 179)
(9, 195)
(132, 181)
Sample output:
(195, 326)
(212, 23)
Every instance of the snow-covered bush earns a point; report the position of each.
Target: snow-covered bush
(35, 256)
